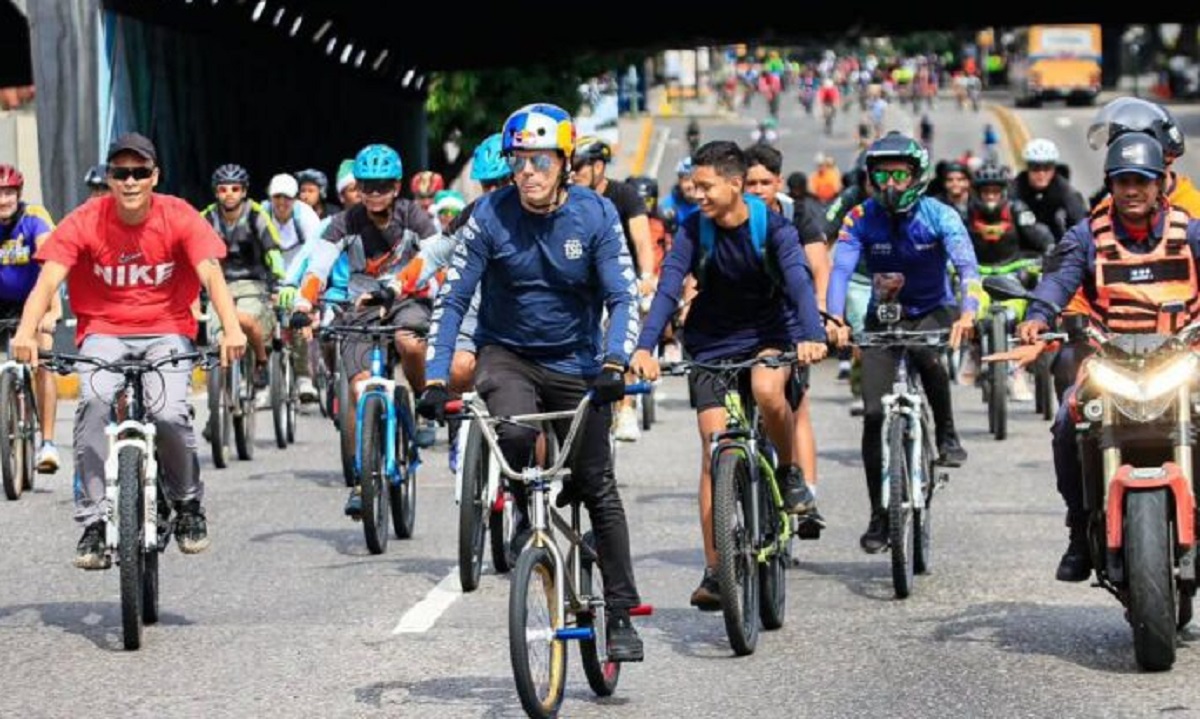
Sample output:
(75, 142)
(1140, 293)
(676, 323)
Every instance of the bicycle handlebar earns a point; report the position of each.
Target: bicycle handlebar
(64, 363)
(774, 361)
(902, 338)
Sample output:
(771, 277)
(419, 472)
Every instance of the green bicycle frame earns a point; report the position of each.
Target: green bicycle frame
(739, 434)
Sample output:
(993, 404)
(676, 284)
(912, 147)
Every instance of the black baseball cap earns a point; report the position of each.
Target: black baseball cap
(135, 143)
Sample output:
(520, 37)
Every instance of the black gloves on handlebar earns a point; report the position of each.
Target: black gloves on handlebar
(609, 385)
(432, 404)
(383, 297)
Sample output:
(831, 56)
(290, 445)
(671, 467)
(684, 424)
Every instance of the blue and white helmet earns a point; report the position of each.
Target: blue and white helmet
(1040, 151)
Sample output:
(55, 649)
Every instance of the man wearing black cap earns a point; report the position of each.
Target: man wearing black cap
(134, 262)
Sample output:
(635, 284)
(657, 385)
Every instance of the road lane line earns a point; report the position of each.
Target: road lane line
(660, 147)
(424, 614)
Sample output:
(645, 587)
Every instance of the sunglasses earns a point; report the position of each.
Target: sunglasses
(230, 189)
(377, 187)
(121, 174)
(899, 176)
(1040, 166)
(541, 163)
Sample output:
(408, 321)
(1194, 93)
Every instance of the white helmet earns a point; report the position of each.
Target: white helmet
(1041, 151)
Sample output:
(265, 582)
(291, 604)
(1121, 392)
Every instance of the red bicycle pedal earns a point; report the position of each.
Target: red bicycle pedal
(641, 610)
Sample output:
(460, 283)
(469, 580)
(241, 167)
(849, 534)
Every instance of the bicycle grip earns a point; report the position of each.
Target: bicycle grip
(641, 387)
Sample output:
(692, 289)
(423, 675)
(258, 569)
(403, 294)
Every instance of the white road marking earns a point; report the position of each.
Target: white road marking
(424, 614)
(663, 134)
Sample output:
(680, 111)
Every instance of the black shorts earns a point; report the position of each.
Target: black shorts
(707, 389)
(356, 349)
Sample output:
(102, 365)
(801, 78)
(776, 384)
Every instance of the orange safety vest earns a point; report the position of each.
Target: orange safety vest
(1131, 288)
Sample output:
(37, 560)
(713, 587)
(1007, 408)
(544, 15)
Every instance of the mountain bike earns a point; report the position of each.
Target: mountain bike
(20, 424)
(285, 397)
(555, 596)
(231, 396)
(137, 522)
(752, 529)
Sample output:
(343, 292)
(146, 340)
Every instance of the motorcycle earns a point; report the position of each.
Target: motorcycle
(1135, 421)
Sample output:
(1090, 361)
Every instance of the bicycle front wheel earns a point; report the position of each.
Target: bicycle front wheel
(539, 658)
(404, 494)
(374, 479)
(473, 511)
(218, 419)
(242, 388)
(900, 511)
(733, 535)
(998, 402)
(278, 399)
(129, 548)
(12, 447)
(292, 393)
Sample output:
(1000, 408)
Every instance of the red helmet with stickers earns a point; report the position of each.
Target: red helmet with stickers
(426, 184)
(11, 177)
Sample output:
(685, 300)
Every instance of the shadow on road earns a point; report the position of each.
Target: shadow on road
(98, 622)
(495, 696)
(693, 633)
(871, 579)
(1074, 633)
(323, 478)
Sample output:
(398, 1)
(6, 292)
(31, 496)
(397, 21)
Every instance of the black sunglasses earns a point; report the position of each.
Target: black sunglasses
(121, 174)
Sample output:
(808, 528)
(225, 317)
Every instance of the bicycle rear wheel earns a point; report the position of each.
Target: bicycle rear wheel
(344, 410)
(12, 447)
(923, 515)
(292, 395)
(218, 418)
(278, 399)
(374, 480)
(473, 511)
(243, 422)
(539, 658)
(602, 677)
(130, 554)
(733, 535)
(404, 494)
(900, 524)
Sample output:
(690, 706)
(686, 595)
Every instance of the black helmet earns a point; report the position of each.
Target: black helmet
(95, 177)
(647, 187)
(231, 174)
(898, 146)
(1135, 152)
(590, 149)
(1133, 114)
(991, 174)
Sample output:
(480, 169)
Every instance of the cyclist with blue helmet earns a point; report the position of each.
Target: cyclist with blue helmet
(376, 237)
(899, 230)
(680, 204)
(549, 258)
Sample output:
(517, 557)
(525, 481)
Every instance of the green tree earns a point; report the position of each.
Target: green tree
(467, 106)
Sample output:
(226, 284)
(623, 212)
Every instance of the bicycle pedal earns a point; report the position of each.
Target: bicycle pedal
(808, 530)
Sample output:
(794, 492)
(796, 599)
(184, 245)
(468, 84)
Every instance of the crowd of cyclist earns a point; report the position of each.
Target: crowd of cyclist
(560, 280)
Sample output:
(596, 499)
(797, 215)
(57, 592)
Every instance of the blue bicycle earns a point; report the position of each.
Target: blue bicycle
(386, 455)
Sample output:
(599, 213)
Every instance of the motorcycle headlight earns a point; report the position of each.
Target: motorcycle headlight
(1146, 397)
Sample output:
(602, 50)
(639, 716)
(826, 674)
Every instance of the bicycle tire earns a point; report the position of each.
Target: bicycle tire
(373, 480)
(542, 702)
(218, 419)
(473, 512)
(150, 589)
(130, 555)
(772, 575)
(737, 568)
(404, 494)
(11, 446)
(998, 402)
(602, 677)
(900, 525)
(345, 410)
(648, 409)
(1044, 379)
(923, 518)
(293, 396)
(278, 388)
(500, 534)
(243, 423)
(29, 430)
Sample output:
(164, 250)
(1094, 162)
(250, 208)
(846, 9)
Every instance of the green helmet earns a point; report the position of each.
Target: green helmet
(897, 146)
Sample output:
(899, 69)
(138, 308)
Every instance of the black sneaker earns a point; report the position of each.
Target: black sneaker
(262, 375)
(797, 495)
(875, 539)
(91, 553)
(191, 528)
(624, 644)
(810, 524)
(1076, 562)
(354, 504)
(707, 597)
(951, 452)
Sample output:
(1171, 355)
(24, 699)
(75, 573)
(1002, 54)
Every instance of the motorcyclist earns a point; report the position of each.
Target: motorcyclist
(1128, 260)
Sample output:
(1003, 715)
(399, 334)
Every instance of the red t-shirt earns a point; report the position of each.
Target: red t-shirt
(133, 279)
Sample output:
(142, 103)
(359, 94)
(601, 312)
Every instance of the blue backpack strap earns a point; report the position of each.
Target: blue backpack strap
(758, 236)
(758, 224)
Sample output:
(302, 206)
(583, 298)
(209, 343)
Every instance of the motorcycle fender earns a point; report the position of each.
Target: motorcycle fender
(1129, 479)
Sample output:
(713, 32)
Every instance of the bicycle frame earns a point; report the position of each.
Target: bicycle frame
(379, 384)
(904, 404)
(29, 395)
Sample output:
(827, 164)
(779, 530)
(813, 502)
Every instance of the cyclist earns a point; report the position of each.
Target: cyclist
(1007, 239)
(313, 189)
(424, 187)
(1138, 230)
(134, 262)
(549, 258)
(252, 259)
(900, 230)
(377, 238)
(24, 229)
(96, 181)
(680, 204)
(955, 188)
(298, 224)
(1042, 187)
(588, 167)
(447, 206)
(747, 306)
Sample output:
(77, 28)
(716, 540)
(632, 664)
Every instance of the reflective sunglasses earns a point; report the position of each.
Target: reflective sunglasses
(899, 176)
(230, 189)
(377, 187)
(1040, 166)
(121, 174)
(541, 163)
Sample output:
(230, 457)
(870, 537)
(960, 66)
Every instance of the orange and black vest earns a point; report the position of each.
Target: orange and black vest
(1132, 288)
(996, 239)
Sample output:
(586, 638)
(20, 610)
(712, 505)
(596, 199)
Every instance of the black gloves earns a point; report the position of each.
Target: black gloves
(609, 385)
(432, 404)
(382, 297)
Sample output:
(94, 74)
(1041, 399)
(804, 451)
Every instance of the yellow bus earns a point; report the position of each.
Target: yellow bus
(1055, 62)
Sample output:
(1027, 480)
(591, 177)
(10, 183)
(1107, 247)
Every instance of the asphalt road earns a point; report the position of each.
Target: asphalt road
(288, 615)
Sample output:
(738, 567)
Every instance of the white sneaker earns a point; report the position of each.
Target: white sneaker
(306, 389)
(1018, 388)
(47, 459)
(628, 428)
(262, 400)
(968, 371)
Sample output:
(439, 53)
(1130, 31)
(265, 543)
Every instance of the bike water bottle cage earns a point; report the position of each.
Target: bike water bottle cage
(889, 313)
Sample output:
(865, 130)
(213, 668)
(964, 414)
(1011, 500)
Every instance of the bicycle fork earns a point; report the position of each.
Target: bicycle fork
(140, 436)
(909, 412)
(382, 388)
